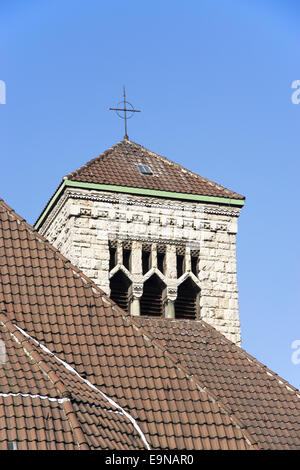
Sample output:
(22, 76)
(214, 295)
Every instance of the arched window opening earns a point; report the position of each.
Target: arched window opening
(151, 300)
(119, 290)
(187, 302)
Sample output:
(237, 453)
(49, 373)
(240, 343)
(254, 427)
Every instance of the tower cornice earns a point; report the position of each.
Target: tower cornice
(66, 183)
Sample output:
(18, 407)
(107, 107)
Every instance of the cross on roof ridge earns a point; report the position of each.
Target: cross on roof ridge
(125, 111)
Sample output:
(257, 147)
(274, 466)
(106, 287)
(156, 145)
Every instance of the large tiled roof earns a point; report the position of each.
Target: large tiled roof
(119, 166)
(64, 338)
(267, 405)
(44, 405)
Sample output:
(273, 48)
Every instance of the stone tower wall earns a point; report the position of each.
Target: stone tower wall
(83, 222)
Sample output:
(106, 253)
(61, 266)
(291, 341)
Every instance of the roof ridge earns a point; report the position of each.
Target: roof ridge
(35, 356)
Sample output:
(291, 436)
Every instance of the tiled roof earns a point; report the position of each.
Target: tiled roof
(267, 405)
(46, 406)
(119, 166)
(81, 343)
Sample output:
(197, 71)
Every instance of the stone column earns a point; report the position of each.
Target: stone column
(119, 252)
(153, 257)
(134, 299)
(135, 307)
(136, 259)
(170, 309)
(187, 259)
(171, 271)
(169, 300)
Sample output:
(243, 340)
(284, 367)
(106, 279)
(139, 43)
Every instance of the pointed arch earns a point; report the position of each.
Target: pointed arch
(119, 289)
(188, 300)
(152, 298)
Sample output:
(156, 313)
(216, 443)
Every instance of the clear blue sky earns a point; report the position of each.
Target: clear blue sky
(213, 79)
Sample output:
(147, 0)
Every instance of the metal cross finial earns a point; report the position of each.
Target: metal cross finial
(125, 110)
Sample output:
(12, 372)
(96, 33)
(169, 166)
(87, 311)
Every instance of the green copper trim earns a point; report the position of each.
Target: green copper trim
(141, 191)
(49, 205)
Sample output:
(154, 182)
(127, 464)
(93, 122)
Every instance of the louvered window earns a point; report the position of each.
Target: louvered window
(151, 302)
(187, 302)
(119, 290)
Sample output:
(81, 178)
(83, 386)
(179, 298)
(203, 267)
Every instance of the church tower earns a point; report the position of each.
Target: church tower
(160, 240)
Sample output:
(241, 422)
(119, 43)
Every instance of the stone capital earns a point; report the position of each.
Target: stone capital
(136, 291)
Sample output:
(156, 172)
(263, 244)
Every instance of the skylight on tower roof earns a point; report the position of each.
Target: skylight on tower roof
(12, 445)
(145, 169)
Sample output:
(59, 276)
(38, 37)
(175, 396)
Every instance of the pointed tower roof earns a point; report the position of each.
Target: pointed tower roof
(130, 168)
(122, 165)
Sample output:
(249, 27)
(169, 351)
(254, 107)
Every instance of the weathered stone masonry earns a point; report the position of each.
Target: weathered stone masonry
(96, 230)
